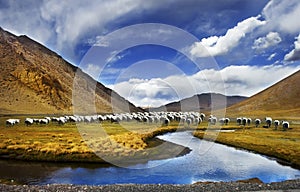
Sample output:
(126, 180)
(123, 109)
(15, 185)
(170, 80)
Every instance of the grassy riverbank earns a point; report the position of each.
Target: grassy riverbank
(94, 142)
(134, 142)
(284, 145)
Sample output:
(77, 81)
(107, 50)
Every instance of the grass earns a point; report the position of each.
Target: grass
(84, 142)
(284, 145)
(135, 142)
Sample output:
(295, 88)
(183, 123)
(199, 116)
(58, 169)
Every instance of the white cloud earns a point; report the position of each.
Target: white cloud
(62, 25)
(92, 70)
(232, 80)
(295, 53)
(213, 46)
(73, 19)
(24, 18)
(283, 15)
(271, 39)
(271, 56)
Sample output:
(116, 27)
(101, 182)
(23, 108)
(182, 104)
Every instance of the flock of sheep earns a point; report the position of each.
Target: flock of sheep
(187, 118)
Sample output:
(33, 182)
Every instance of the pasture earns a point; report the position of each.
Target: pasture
(73, 142)
(82, 142)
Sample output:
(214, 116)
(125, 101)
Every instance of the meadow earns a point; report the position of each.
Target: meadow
(135, 142)
(84, 142)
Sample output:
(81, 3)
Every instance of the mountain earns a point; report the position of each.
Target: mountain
(36, 80)
(279, 100)
(203, 102)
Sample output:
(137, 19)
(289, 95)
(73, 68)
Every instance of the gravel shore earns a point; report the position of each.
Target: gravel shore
(290, 186)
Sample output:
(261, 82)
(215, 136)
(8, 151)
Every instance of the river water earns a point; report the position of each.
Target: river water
(207, 161)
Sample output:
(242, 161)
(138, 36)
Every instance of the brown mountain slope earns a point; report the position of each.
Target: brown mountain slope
(35, 80)
(281, 99)
(202, 102)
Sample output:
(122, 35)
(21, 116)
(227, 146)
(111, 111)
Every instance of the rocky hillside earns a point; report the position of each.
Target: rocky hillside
(281, 100)
(203, 102)
(35, 80)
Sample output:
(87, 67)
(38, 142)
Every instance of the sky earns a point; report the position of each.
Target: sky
(155, 52)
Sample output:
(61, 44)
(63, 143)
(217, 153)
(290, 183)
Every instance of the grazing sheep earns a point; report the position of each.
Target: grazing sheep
(222, 121)
(166, 121)
(43, 121)
(212, 120)
(257, 122)
(226, 121)
(249, 121)
(239, 121)
(36, 121)
(12, 122)
(198, 120)
(244, 121)
(202, 116)
(28, 121)
(72, 119)
(61, 120)
(276, 124)
(268, 121)
(48, 118)
(188, 122)
(285, 125)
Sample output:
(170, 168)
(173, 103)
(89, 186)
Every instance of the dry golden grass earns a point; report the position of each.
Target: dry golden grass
(284, 145)
(83, 142)
(79, 143)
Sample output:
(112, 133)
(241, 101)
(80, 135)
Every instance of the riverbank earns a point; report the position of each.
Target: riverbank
(289, 186)
(282, 145)
(135, 143)
(125, 144)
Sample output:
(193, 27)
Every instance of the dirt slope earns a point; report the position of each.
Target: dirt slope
(281, 99)
(35, 80)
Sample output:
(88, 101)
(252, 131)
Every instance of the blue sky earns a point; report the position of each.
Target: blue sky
(154, 52)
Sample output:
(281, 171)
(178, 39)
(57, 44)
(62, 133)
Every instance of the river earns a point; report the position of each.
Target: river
(206, 162)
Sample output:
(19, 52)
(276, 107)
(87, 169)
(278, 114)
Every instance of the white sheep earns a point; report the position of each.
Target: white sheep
(11, 122)
(165, 121)
(189, 122)
(268, 121)
(222, 121)
(285, 125)
(202, 116)
(212, 120)
(257, 122)
(226, 121)
(276, 124)
(61, 120)
(244, 120)
(239, 120)
(43, 121)
(249, 121)
(28, 121)
(198, 120)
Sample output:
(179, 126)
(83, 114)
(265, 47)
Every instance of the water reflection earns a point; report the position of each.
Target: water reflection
(219, 163)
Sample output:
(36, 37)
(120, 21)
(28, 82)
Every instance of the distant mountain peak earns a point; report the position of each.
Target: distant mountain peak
(201, 102)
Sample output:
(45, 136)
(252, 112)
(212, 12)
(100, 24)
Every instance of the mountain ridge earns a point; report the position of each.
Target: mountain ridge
(280, 99)
(36, 80)
(204, 102)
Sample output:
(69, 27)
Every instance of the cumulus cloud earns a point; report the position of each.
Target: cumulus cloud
(271, 39)
(233, 80)
(295, 53)
(214, 45)
(283, 15)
